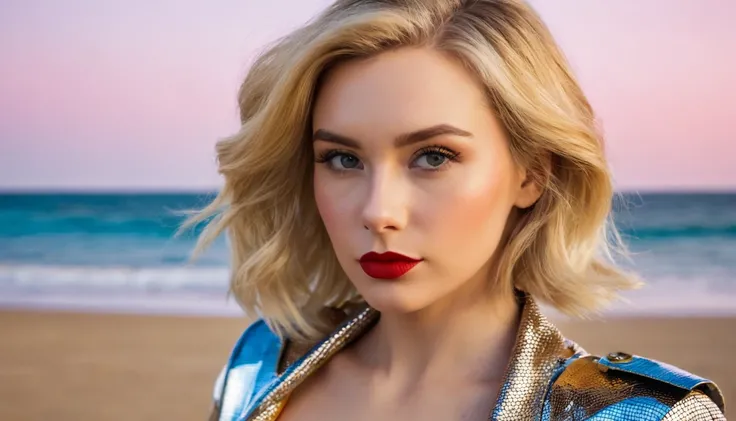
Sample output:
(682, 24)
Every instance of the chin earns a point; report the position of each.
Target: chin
(393, 296)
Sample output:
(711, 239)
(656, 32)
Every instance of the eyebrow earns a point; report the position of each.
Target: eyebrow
(400, 141)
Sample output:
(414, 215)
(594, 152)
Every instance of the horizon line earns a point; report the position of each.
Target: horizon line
(118, 190)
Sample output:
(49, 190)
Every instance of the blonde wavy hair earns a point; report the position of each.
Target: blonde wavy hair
(283, 265)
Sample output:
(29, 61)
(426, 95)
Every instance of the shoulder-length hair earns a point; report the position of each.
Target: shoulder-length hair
(283, 265)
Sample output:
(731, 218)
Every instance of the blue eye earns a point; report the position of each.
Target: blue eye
(431, 158)
(344, 162)
(431, 161)
(434, 158)
(340, 161)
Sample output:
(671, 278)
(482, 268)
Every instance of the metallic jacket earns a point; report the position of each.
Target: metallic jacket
(548, 378)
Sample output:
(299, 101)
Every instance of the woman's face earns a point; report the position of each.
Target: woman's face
(410, 159)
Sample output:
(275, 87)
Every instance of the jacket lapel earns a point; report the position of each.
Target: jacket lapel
(539, 352)
(267, 404)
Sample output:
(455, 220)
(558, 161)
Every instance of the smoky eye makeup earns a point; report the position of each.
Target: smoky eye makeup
(338, 160)
(438, 150)
(434, 158)
(428, 158)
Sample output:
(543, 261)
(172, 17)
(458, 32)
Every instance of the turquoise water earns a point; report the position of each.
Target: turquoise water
(117, 252)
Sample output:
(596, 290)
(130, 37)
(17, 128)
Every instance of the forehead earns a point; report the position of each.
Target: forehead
(397, 90)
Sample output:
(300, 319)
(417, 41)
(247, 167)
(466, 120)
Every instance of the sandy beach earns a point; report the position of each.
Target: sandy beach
(72, 367)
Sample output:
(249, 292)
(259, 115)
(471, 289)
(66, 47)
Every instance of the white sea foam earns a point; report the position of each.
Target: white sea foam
(203, 290)
(84, 278)
(163, 290)
(673, 296)
(169, 304)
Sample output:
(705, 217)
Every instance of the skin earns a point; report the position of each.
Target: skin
(444, 338)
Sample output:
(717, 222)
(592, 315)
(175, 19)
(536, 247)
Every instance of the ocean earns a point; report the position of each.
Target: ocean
(117, 253)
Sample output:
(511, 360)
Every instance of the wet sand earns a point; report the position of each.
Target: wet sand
(72, 367)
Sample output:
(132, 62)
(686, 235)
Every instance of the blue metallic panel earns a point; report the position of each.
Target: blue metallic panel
(656, 370)
(252, 366)
(639, 408)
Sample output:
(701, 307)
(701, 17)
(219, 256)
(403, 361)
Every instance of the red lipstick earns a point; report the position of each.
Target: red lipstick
(388, 265)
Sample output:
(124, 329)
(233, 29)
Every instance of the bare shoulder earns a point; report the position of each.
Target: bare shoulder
(622, 387)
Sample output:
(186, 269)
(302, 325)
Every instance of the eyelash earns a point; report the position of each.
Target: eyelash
(448, 153)
(326, 156)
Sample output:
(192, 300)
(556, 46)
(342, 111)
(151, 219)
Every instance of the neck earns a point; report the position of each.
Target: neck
(468, 336)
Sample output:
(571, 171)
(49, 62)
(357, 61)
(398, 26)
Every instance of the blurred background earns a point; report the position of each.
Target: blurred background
(109, 112)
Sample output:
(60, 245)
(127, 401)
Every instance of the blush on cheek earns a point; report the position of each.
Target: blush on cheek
(332, 202)
(324, 202)
(487, 208)
(470, 219)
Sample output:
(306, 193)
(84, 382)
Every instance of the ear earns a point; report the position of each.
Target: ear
(533, 182)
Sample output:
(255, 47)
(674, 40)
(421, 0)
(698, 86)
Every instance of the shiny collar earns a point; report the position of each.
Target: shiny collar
(538, 355)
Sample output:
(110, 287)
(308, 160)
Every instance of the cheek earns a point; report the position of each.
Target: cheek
(333, 202)
(472, 213)
(324, 200)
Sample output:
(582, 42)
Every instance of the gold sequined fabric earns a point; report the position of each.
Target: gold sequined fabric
(270, 406)
(538, 352)
(696, 406)
(583, 390)
(586, 390)
(548, 378)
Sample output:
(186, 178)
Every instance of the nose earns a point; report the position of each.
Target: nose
(385, 206)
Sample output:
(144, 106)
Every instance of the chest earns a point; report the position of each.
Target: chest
(360, 400)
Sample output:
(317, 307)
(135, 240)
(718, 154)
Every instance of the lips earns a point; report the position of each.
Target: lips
(387, 265)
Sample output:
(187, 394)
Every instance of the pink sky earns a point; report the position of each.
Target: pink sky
(133, 94)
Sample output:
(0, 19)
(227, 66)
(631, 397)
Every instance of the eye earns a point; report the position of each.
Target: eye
(340, 161)
(434, 158)
(430, 161)
(344, 162)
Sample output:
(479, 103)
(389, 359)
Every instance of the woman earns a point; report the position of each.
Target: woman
(410, 178)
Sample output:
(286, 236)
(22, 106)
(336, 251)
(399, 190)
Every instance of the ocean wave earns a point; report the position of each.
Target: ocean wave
(169, 304)
(680, 231)
(204, 290)
(155, 226)
(83, 278)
